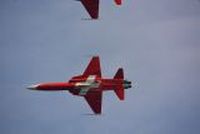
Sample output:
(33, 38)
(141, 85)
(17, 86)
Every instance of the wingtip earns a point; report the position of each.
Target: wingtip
(95, 57)
(118, 2)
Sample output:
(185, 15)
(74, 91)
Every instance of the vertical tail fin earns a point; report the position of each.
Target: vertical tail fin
(119, 90)
(118, 2)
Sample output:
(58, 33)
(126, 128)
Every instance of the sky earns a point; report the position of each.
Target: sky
(156, 42)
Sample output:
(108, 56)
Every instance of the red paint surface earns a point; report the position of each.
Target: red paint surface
(93, 95)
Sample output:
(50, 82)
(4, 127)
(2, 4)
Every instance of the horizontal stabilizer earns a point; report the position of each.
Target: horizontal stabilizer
(119, 74)
(120, 92)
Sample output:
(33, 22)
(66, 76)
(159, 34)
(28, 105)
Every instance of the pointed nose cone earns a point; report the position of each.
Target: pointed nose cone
(32, 87)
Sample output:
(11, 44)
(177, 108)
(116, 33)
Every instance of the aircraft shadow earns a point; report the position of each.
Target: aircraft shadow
(92, 114)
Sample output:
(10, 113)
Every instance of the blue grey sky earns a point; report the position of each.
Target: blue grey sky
(157, 43)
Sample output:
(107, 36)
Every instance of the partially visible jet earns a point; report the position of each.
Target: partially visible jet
(90, 85)
(92, 7)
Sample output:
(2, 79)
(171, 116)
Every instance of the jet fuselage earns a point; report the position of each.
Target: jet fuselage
(90, 85)
(76, 85)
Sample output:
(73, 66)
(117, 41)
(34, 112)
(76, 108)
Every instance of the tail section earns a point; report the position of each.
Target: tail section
(119, 90)
(119, 74)
(118, 2)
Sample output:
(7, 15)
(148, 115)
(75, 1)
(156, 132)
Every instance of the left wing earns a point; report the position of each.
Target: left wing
(118, 2)
(94, 99)
(93, 67)
(92, 7)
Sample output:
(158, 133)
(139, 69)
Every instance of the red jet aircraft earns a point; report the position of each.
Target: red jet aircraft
(92, 7)
(90, 85)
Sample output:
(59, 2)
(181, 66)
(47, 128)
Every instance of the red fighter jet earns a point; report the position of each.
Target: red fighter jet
(90, 85)
(92, 7)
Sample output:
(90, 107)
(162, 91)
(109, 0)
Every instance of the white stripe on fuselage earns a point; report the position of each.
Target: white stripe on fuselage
(87, 85)
(91, 78)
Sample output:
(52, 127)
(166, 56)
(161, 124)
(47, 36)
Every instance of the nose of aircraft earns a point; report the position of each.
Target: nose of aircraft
(32, 87)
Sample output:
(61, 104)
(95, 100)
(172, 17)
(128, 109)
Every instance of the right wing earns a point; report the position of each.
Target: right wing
(94, 99)
(92, 7)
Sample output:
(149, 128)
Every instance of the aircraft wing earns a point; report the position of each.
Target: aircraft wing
(92, 7)
(118, 2)
(94, 99)
(93, 68)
